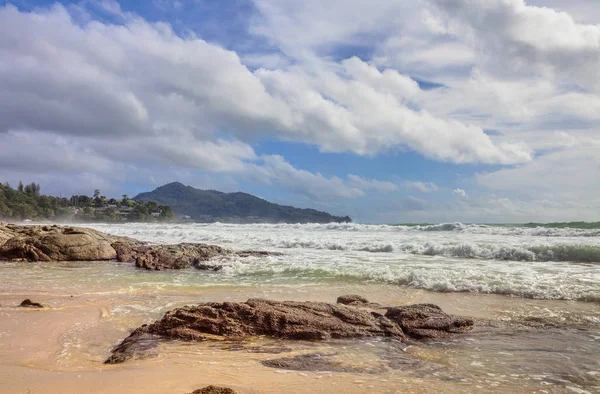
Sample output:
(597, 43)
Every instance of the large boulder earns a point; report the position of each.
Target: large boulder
(286, 320)
(56, 243)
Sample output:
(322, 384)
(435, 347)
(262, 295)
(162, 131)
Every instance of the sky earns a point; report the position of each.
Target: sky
(388, 111)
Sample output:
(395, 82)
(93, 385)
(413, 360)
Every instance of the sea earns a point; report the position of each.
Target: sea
(534, 292)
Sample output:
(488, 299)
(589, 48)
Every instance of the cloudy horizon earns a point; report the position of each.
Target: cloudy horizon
(395, 111)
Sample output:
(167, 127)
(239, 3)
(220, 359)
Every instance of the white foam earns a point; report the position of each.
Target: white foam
(537, 263)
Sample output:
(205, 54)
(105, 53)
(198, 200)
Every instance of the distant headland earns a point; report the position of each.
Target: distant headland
(207, 206)
(170, 202)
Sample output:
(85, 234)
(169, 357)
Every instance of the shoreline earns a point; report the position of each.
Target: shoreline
(95, 304)
(70, 340)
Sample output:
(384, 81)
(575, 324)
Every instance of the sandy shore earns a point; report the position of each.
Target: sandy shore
(61, 349)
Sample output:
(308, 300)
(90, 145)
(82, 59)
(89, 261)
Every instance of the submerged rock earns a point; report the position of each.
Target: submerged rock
(31, 304)
(214, 390)
(314, 362)
(291, 320)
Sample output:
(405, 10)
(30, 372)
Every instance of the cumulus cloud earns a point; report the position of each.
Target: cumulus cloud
(525, 39)
(459, 192)
(106, 97)
(95, 79)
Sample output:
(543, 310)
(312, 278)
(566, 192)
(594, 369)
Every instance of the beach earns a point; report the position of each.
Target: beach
(533, 293)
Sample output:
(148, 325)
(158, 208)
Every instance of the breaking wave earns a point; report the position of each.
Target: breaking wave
(532, 262)
(566, 253)
(516, 279)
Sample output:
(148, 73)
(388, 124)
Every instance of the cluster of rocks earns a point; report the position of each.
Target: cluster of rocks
(358, 318)
(60, 243)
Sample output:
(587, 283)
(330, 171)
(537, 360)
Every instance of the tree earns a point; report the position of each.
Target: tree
(165, 212)
(20, 186)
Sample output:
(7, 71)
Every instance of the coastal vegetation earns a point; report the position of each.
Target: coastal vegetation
(27, 203)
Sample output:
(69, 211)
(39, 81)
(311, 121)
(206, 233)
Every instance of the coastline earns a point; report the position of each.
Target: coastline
(63, 347)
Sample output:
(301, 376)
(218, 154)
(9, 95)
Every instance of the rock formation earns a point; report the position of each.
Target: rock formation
(59, 243)
(291, 320)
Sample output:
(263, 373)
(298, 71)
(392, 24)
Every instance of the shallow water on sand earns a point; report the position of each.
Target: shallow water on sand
(534, 345)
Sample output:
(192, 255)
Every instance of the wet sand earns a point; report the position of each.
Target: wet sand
(61, 349)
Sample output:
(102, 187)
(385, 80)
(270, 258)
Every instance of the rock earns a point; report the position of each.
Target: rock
(163, 257)
(214, 390)
(138, 342)
(54, 243)
(59, 243)
(352, 300)
(358, 301)
(31, 304)
(424, 321)
(199, 264)
(292, 320)
(313, 362)
(175, 257)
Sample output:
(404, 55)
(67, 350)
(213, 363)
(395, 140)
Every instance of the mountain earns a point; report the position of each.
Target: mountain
(213, 206)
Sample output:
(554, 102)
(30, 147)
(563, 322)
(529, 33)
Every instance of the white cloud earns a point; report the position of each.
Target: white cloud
(423, 187)
(459, 192)
(137, 93)
(522, 39)
(316, 187)
(371, 184)
(95, 80)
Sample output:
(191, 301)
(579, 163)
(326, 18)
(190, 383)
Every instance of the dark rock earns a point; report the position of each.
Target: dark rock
(424, 321)
(198, 264)
(294, 320)
(313, 362)
(31, 304)
(133, 345)
(214, 390)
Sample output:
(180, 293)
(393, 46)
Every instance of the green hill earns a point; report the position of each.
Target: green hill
(214, 206)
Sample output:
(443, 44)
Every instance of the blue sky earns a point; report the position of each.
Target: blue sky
(399, 111)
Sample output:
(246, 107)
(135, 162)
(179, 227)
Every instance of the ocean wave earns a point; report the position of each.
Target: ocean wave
(519, 280)
(558, 253)
(461, 245)
(456, 227)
